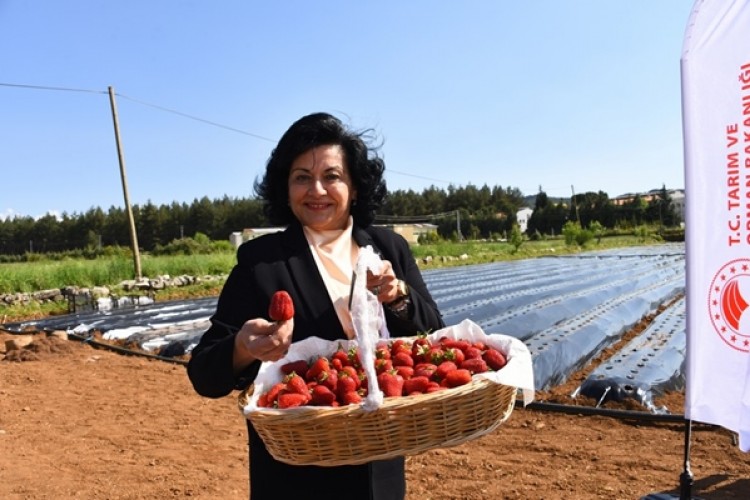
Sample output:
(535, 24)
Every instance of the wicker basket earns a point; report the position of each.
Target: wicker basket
(401, 426)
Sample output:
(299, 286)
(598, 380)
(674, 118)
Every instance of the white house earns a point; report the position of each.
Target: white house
(678, 202)
(523, 216)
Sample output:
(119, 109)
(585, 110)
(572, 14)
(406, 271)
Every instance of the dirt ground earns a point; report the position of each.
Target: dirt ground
(83, 422)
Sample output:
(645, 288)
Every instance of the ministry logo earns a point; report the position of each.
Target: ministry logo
(727, 304)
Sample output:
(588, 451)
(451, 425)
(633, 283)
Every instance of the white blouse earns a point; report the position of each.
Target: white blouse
(335, 254)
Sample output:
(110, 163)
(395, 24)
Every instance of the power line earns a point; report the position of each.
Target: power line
(417, 176)
(138, 101)
(43, 87)
(209, 122)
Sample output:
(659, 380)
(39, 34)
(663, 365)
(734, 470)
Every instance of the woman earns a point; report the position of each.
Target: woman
(325, 184)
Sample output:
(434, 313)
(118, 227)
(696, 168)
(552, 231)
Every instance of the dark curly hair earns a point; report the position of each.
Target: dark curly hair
(365, 166)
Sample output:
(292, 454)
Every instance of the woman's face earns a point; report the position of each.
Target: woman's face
(320, 188)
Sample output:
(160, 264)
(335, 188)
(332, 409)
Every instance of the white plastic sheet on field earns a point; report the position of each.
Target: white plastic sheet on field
(651, 364)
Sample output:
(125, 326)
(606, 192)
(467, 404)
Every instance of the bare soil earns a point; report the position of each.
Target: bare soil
(84, 422)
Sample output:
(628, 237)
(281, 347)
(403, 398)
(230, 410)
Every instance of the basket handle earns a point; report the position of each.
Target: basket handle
(368, 319)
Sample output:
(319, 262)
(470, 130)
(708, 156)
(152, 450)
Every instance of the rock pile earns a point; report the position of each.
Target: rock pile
(145, 286)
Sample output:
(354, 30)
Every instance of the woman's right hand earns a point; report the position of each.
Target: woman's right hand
(263, 340)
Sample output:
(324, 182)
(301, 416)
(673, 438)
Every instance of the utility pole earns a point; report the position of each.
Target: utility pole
(123, 176)
(575, 205)
(458, 226)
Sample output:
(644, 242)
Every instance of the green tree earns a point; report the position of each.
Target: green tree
(148, 226)
(570, 231)
(116, 230)
(201, 216)
(516, 238)
(45, 233)
(597, 230)
(660, 209)
(547, 218)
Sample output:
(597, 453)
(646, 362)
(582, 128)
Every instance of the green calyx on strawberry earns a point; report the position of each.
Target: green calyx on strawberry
(295, 383)
(318, 367)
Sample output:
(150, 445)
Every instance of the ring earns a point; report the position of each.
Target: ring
(376, 290)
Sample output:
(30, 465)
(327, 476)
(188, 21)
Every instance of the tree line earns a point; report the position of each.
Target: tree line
(588, 208)
(469, 212)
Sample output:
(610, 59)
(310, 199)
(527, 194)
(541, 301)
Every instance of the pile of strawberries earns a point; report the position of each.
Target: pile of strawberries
(403, 368)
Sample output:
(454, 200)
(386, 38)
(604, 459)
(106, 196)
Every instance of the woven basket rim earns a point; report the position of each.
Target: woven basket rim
(268, 420)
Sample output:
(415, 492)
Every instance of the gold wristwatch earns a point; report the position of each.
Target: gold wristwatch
(403, 290)
(400, 306)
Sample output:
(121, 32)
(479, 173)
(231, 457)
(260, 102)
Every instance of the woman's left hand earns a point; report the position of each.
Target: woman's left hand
(385, 284)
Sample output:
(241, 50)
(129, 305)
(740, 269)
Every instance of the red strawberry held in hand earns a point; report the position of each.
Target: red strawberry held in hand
(281, 307)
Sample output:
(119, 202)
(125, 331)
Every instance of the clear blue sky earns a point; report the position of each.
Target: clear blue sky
(518, 94)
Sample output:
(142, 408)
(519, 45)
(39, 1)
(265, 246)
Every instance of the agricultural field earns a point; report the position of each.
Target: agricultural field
(144, 432)
(566, 309)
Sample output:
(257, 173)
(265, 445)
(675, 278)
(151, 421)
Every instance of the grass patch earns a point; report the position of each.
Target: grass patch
(105, 271)
(479, 252)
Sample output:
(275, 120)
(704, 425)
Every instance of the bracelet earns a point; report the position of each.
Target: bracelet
(400, 306)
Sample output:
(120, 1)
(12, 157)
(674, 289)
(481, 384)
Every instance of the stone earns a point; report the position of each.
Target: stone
(18, 343)
(58, 334)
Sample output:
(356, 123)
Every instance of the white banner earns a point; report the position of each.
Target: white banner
(716, 130)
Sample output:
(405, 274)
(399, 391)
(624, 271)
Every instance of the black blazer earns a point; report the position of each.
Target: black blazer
(283, 261)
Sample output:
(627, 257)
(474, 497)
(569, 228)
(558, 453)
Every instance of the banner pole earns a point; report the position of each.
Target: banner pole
(686, 478)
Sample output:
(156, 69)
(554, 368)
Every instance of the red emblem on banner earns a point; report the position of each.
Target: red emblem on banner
(727, 303)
